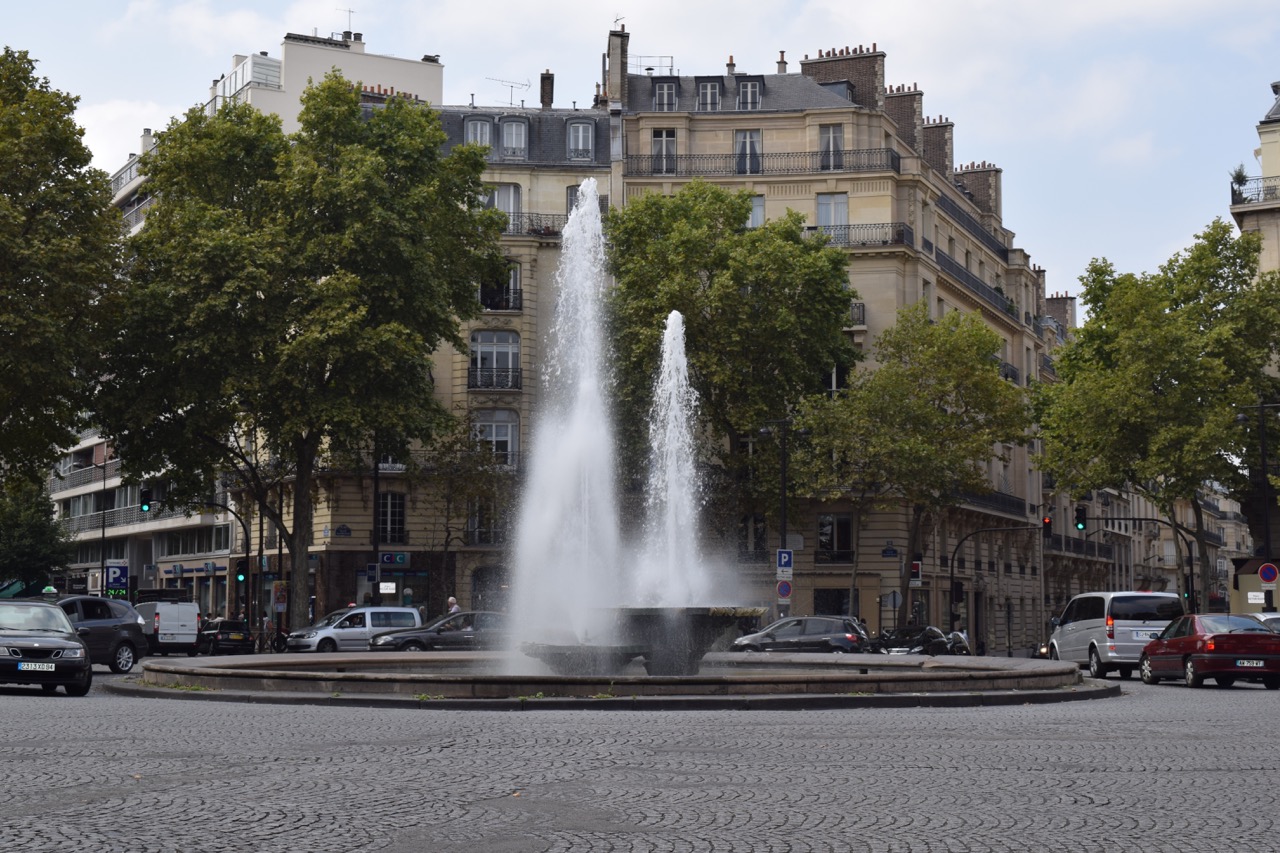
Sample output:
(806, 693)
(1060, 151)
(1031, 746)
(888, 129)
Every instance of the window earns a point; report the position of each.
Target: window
(478, 131)
(746, 145)
(830, 147)
(664, 152)
(506, 197)
(503, 294)
(500, 430)
(485, 526)
(495, 360)
(757, 212)
(193, 541)
(664, 97)
(833, 215)
(837, 378)
(835, 539)
(752, 545)
(581, 141)
(514, 136)
(391, 518)
(708, 97)
(749, 95)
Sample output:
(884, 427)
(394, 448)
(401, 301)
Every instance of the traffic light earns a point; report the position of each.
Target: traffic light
(240, 567)
(1046, 524)
(144, 500)
(1080, 518)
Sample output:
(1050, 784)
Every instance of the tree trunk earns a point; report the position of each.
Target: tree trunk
(915, 536)
(299, 539)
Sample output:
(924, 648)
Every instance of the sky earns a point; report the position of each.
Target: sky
(1116, 122)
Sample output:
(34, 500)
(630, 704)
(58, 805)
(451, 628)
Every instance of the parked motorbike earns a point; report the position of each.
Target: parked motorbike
(926, 640)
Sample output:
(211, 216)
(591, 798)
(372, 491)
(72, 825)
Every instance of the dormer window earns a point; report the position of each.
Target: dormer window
(749, 95)
(478, 131)
(581, 141)
(709, 96)
(515, 139)
(664, 97)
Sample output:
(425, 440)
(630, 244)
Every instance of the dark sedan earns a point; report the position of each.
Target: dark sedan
(115, 635)
(1223, 646)
(225, 637)
(806, 634)
(38, 645)
(477, 629)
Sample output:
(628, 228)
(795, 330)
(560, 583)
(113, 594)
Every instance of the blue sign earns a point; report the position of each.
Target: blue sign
(398, 557)
(117, 579)
(371, 572)
(889, 552)
(786, 558)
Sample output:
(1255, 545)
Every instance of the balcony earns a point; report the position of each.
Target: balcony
(501, 298)
(961, 275)
(1010, 372)
(966, 221)
(1256, 190)
(536, 224)
(998, 501)
(852, 236)
(1081, 547)
(1046, 365)
(857, 314)
(783, 163)
(494, 378)
(135, 216)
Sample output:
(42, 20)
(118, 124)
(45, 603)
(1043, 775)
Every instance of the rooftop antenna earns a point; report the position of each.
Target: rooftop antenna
(349, 12)
(618, 20)
(511, 85)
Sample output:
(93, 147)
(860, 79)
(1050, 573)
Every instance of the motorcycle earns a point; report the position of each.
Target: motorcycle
(926, 640)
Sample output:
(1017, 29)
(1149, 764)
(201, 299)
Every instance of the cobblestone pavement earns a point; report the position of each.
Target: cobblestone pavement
(1161, 768)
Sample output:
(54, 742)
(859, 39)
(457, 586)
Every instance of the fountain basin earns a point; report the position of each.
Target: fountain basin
(670, 640)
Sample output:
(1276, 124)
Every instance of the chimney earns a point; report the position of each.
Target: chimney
(782, 62)
(729, 66)
(548, 88)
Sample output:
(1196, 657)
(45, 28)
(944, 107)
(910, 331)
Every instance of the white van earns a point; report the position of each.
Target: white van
(351, 628)
(170, 626)
(1108, 630)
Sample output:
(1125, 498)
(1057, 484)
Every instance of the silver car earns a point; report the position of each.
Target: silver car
(1108, 630)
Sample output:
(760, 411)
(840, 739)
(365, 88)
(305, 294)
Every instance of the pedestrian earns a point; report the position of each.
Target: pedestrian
(453, 605)
(264, 638)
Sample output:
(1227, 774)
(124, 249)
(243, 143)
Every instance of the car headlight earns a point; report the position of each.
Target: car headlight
(383, 640)
(308, 635)
(72, 654)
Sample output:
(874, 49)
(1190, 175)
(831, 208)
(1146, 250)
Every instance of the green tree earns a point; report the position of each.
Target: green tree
(59, 249)
(916, 431)
(764, 310)
(1151, 387)
(32, 542)
(286, 296)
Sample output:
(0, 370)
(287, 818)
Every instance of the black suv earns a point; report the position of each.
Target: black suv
(114, 635)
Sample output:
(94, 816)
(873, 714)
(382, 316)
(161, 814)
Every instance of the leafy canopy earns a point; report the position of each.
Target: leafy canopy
(59, 249)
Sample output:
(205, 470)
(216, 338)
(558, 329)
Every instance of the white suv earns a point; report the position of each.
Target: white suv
(1108, 630)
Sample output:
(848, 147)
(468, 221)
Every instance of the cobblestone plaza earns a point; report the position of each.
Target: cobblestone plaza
(1159, 769)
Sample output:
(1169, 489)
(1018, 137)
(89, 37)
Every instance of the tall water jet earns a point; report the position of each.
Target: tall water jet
(670, 571)
(566, 545)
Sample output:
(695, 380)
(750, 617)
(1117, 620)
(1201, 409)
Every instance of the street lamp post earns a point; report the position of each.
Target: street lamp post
(782, 429)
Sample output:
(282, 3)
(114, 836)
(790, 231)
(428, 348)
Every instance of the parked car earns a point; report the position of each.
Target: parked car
(39, 645)
(1223, 646)
(115, 630)
(1270, 620)
(351, 628)
(476, 629)
(806, 634)
(170, 626)
(1108, 630)
(225, 637)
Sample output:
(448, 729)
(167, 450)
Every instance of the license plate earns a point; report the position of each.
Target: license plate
(166, 638)
(1248, 663)
(1145, 635)
(38, 667)
(237, 636)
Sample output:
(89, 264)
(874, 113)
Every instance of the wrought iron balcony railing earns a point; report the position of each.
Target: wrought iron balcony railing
(501, 298)
(782, 163)
(879, 234)
(957, 271)
(537, 224)
(1256, 190)
(966, 221)
(496, 378)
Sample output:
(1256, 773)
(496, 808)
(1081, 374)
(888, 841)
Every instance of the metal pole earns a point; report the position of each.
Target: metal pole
(1268, 596)
(102, 545)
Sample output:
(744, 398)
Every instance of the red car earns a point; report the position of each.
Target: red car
(1223, 646)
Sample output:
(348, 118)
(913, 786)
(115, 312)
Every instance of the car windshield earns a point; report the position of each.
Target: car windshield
(230, 625)
(18, 617)
(1225, 624)
(332, 617)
